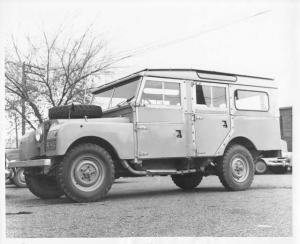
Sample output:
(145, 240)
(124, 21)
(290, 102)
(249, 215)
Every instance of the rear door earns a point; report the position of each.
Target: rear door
(211, 117)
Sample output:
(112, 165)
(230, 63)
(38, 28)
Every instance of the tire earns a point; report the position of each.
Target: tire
(75, 112)
(188, 181)
(19, 178)
(42, 186)
(86, 173)
(278, 169)
(236, 168)
(260, 167)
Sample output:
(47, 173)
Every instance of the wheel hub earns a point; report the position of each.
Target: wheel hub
(240, 169)
(87, 173)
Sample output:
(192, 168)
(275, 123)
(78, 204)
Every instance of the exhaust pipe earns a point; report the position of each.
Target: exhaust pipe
(133, 171)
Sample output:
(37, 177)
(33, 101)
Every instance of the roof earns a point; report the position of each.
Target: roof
(196, 75)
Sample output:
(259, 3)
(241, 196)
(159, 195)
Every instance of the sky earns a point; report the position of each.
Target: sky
(246, 37)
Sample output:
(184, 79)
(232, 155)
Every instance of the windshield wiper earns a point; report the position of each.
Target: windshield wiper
(125, 101)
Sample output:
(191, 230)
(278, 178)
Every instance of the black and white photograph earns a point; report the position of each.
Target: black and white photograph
(149, 121)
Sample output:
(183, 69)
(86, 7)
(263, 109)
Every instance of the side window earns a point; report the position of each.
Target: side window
(211, 96)
(161, 93)
(251, 100)
(172, 93)
(152, 93)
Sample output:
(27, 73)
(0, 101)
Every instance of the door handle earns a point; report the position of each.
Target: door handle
(178, 134)
(224, 123)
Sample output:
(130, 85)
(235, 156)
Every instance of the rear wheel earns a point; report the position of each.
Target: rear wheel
(43, 186)
(187, 181)
(260, 167)
(236, 168)
(86, 173)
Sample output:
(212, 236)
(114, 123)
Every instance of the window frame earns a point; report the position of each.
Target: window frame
(253, 110)
(113, 88)
(149, 78)
(205, 108)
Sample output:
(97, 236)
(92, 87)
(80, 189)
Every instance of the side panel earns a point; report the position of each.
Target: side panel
(119, 135)
(262, 131)
(260, 127)
(157, 140)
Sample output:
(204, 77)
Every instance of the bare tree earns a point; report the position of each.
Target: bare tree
(55, 72)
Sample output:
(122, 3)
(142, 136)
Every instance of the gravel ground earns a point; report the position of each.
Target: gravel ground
(154, 206)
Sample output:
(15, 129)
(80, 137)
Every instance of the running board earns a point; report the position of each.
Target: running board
(157, 171)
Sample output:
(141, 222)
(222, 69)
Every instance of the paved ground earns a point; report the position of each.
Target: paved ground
(156, 207)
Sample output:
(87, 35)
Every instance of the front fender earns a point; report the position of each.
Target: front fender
(119, 135)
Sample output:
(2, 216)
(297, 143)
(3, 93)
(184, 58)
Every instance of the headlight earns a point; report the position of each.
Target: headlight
(39, 133)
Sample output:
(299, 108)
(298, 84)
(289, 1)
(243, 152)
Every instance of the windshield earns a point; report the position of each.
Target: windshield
(116, 95)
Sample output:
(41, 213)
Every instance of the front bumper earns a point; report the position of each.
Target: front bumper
(29, 163)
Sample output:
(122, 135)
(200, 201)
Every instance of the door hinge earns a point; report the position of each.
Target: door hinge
(196, 117)
(143, 154)
(141, 127)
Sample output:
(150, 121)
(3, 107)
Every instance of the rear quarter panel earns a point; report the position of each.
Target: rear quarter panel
(262, 128)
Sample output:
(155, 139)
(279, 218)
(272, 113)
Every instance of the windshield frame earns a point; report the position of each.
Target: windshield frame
(113, 89)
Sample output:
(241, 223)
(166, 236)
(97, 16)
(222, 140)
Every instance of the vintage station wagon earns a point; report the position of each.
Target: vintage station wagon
(179, 122)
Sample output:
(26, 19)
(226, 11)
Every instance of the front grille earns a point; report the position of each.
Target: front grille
(43, 145)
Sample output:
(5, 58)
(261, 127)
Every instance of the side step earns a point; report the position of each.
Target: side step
(157, 171)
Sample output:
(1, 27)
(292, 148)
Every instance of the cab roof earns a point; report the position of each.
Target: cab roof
(195, 75)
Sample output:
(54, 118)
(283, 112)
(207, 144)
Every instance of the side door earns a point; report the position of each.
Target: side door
(211, 116)
(160, 130)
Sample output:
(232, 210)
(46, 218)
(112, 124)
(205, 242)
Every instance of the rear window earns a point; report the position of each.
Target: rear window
(251, 100)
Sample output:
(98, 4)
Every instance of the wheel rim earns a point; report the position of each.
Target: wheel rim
(260, 167)
(87, 173)
(240, 169)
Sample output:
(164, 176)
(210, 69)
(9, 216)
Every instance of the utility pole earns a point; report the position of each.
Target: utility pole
(23, 100)
(24, 78)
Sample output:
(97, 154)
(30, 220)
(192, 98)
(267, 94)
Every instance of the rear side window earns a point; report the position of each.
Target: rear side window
(251, 100)
(161, 93)
(211, 96)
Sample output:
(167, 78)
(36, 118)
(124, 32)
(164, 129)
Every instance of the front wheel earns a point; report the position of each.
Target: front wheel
(43, 186)
(86, 173)
(187, 181)
(236, 168)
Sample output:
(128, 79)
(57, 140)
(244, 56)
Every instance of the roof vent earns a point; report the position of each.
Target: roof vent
(216, 76)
